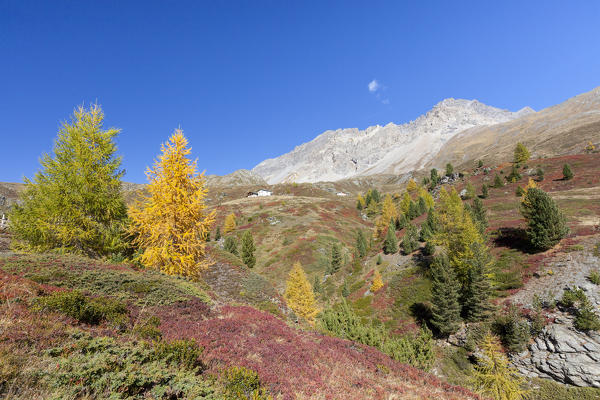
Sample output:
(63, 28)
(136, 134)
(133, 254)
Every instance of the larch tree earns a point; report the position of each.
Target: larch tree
(248, 249)
(521, 154)
(445, 289)
(456, 231)
(405, 203)
(171, 223)
(411, 186)
(424, 193)
(494, 377)
(230, 223)
(377, 281)
(389, 213)
(74, 202)
(299, 294)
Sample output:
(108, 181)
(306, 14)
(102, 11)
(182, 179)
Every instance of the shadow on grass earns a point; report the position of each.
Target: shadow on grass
(421, 313)
(514, 238)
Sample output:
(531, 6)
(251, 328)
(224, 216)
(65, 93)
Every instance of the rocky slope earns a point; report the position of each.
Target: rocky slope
(554, 131)
(345, 153)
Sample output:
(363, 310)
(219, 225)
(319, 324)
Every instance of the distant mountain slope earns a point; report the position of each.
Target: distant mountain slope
(344, 153)
(558, 130)
(241, 177)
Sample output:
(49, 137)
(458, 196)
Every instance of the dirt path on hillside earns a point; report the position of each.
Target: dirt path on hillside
(561, 271)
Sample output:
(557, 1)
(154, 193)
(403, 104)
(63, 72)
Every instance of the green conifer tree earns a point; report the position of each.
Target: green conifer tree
(498, 181)
(539, 174)
(248, 249)
(478, 213)
(317, 287)
(449, 169)
(390, 244)
(336, 259)
(567, 173)
(74, 202)
(477, 292)
(218, 234)
(410, 241)
(422, 206)
(546, 224)
(445, 295)
(484, 191)
(361, 244)
(230, 245)
(345, 290)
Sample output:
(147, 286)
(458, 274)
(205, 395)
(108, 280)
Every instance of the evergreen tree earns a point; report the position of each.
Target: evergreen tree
(498, 181)
(539, 174)
(230, 223)
(218, 234)
(390, 245)
(514, 175)
(248, 249)
(345, 289)
(444, 289)
(567, 173)
(521, 154)
(422, 206)
(470, 191)
(361, 244)
(401, 222)
(377, 281)
(336, 258)
(494, 377)
(449, 169)
(360, 203)
(434, 177)
(74, 202)
(479, 164)
(546, 224)
(429, 227)
(413, 210)
(317, 288)
(478, 213)
(230, 245)
(171, 223)
(379, 259)
(519, 191)
(299, 294)
(410, 241)
(484, 191)
(477, 292)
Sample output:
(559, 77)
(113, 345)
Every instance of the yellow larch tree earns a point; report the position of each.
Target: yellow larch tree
(590, 147)
(530, 185)
(171, 223)
(412, 185)
(299, 294)
(230, 223)
(494, 377)
(424, 193)
(405, 203)
(389, 213)
(377, 281)
(456, 231)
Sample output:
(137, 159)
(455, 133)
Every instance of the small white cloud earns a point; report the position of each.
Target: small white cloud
(373, 86)
(385, 101)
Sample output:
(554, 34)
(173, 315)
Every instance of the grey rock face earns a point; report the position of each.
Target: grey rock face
(390, 149)
(563, 354)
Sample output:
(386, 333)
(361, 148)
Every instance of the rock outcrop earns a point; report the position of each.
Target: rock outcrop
(563, 354)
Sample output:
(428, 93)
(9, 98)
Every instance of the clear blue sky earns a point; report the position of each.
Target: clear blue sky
(250, 80)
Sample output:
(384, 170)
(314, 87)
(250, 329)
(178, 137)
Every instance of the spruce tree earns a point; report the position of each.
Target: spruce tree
(470, 191)
(519, 191)
(521, 154)
(429, 227)
(514, 175)
(336, 258)
(401, 222)
(317, 288)
(361, 244)
(567, 173)
(410, 241)
(345, 289)
(539, 174)
(248, 249)
(445, 288)
(230, 245)
(422, 206)
(546, 224)
(413, 210)
(484, 191)
(434, 177)
(477, 291)
(479, 215)
(74, 201)
(390, 245)
(479, 164)
(218, 234)
(449, 169)
(299, 294)
(498, 181)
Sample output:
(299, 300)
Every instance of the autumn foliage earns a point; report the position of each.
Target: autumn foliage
(299, 294)
(170, 225)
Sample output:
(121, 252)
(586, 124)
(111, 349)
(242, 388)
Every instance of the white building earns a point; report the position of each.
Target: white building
(263, 192)
(342, 194)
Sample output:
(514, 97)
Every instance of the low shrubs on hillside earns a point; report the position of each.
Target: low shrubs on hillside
(84, 309)
(243, 384)
(575, 301)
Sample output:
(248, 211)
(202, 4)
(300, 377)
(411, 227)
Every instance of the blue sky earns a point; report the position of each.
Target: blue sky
(250, 80)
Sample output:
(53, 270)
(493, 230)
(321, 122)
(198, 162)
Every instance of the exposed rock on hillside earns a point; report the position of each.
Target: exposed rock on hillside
(393, 149)
(241, 177)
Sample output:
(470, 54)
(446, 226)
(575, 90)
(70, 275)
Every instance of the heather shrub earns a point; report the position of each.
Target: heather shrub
(184, 353)
(148, 329)
(90, 311)
(243, 384)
